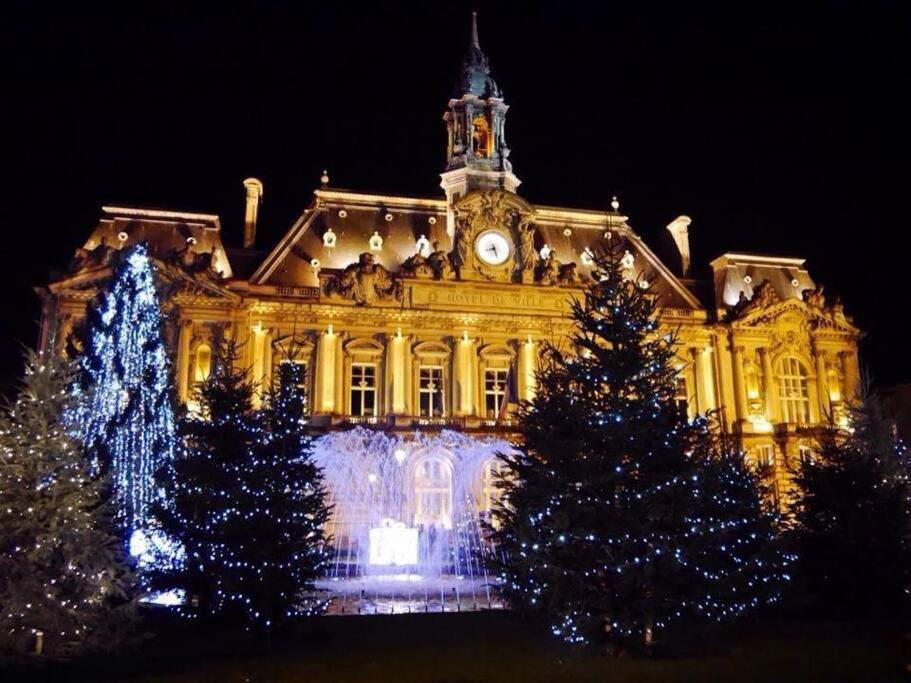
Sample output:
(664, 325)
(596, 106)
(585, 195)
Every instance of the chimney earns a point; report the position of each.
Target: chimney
(254, 189)
(679, 230)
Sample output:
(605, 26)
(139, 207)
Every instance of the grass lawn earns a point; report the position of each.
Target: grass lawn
(491, 646)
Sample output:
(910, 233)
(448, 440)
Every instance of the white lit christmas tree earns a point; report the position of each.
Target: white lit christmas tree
(64, 583)
(128, 418)
(623, 517)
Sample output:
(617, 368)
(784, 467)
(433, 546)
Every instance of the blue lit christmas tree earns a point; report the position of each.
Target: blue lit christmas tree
(246, 501)
(128, 419)
(623, 518)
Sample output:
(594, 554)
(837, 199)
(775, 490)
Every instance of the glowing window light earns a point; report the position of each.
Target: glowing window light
(393, 544)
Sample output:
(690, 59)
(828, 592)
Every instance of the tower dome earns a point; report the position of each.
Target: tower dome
(475, 78)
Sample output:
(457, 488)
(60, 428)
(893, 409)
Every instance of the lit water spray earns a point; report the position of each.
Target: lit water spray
(406, 520)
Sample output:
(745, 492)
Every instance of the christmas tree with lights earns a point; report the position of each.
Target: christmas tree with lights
(128, 418)
(853, 517)
(64, 583)
(245, 500)
(622, 517)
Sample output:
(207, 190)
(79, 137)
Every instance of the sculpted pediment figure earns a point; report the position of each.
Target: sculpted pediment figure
(365, 282)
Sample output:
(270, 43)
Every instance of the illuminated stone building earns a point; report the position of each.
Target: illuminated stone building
(429, 313)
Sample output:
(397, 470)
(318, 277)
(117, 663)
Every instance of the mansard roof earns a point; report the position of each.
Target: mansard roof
(400, 222)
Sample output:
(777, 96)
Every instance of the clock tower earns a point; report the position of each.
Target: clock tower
(477, 157)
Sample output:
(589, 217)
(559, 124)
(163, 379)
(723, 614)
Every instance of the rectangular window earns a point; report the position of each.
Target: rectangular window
(793, 391)
(301, 380)
(494, 391)
(765, 457)
(681, 399)
(430, 391)
(363, 389)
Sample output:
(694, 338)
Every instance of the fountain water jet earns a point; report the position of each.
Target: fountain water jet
(406, 519)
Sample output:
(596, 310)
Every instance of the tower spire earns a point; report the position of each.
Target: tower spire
(474, 31)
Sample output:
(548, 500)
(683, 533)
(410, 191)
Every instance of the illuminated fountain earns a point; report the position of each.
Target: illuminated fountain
(406, 520)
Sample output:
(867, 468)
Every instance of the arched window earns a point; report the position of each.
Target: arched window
(203, 363)
(481, 137)
(433, 493)
(793, 391)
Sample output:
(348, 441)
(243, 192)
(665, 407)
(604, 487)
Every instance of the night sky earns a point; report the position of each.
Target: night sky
(778, 130)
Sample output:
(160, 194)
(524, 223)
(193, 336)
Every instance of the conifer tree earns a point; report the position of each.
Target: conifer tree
(853, 517)
(128, 421)
(614, 526)
(246, 501)
(64, 583)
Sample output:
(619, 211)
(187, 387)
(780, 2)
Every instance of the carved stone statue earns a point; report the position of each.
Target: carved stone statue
(439, 261)
(365, 282)
(764, 295)
(549, 270)
(528, 257)
(197, 263)
(418, 266)
(85, 259)
(461, 254)
(815, 297)
(568, 274)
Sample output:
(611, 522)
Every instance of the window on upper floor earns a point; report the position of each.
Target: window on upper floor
(203, 363)
(430, 391)
(793, 391)
(681, 398)
(495, 386)
(299, 375)
(363, 389)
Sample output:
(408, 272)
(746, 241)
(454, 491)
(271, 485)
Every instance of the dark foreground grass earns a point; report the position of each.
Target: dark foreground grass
(494, 646)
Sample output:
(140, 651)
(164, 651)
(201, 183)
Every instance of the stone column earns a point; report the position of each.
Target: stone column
(464, 369)
(705, 395)
(183, 360)
(325, 377)
(396, 345)
(527, 368)
(769, 389)
(852, 376)
(740, 399)
(822, 385)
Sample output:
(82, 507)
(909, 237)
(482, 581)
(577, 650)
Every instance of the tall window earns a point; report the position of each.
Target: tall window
(765, 457)
(300, 378)
(481, 137)
(430, 390)
(681, 399)
(805, 455)
(433, 493)
(363, 389)
(494, 390)
(491, 493)
(793, 391)
(203, 363)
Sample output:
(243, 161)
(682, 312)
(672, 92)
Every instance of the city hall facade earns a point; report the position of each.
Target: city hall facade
(429, 314)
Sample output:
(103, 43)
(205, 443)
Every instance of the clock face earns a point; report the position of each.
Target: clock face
(492, 247)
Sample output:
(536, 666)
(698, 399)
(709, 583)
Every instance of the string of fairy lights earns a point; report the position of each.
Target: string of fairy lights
(128, 421)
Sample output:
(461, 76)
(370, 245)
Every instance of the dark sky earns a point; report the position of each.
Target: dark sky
(781, 129)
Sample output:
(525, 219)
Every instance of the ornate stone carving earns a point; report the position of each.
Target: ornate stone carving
(439, 261)
(417, 266)
(568, 275)
(507, 214)
(764, 295)
(528, 256)
(85, 259)
(549, 270)
(815, 297)
(365, 282)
